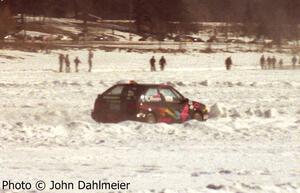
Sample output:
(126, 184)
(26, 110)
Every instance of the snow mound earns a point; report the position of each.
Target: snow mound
(253, 84)
(205, 83)
(250, 112)
(271, 113)
(289, 84)
(218, 110)
(259, 113)
(229, 84)
(170, 84)
(235, 113)
(180, 83)
(240, 84)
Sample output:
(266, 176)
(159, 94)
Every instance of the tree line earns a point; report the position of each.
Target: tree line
(274, 19)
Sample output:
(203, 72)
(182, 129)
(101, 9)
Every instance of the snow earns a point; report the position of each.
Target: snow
(218, 110)
(271, 113)
(250, 143)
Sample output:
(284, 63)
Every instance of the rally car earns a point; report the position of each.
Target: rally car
(149, 103)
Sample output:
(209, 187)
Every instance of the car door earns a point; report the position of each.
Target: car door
(152, 101)
(112, 104)
(129, 106)
(173, 102)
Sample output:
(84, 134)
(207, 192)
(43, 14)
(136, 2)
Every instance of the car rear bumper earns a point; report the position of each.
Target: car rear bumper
(95, 116)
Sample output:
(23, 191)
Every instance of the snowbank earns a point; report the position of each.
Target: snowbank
(218, 110)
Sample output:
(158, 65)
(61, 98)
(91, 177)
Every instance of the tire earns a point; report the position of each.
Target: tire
(198, 116)
(150, 118)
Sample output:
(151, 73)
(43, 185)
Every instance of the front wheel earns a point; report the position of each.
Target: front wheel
(198, 116)
(150, 118)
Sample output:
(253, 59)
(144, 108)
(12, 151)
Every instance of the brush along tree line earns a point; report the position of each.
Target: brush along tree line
(274, 19)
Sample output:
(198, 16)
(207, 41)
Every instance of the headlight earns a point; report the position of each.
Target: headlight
(141, 115)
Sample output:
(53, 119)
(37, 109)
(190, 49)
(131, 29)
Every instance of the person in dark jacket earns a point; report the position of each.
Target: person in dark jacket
(152, 64)
(262, 62)
(67, 61)
(61, 59)
(294, 61)
(280, 63)
(228, 63)
(162, 63)
(90, 60)
(274, 62)
(77, 62)
(269, 62)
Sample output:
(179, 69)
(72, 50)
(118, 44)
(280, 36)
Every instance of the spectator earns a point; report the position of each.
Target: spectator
(67, 61)
(90, 60)
(152, 64)
(61, 59)
(162, 63)
(228, 63)
(274, 62)
(77, 62)
(262, 62)
(294, 61)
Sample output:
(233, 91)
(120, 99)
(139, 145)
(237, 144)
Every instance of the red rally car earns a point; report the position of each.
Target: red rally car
(149, 103)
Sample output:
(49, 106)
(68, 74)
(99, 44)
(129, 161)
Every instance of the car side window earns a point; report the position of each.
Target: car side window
(169, 95)
(131, 93)
(116, 91)
(151, 95)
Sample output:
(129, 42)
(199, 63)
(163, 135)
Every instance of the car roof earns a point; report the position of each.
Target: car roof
(145, 85)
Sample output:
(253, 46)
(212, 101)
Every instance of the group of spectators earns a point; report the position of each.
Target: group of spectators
(267, 63)
(162, 63)
(273, 63)
(65, 64)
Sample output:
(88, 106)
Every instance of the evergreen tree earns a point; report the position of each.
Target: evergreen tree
(7, 22)
(158, 17)
(249, 26)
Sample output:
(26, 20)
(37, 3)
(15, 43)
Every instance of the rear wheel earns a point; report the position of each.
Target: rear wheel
(198, 116)
(150, 118)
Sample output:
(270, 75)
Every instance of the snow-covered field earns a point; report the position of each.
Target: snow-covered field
(251, 143)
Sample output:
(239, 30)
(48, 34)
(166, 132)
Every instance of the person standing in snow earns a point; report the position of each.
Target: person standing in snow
(162, 63)
(280, 63)
(294, 61)
(77, 62)
(90, 60)
(228, 63)
(269, 62)
(274, 62)
(67, 60)
(152, 64)
(61, 59)
(262, 62)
